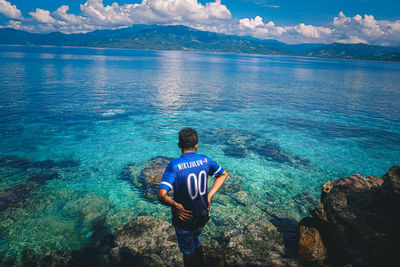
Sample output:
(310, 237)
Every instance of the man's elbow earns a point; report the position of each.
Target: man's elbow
(160, 195)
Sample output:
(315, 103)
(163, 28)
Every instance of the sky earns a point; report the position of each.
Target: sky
(374, 22)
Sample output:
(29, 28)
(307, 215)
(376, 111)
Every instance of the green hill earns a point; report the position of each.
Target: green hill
(156, 37)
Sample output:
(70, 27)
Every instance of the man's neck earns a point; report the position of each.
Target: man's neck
(188, 151)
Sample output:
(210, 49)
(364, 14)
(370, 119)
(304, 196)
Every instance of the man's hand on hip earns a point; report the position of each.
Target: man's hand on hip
(184, 215)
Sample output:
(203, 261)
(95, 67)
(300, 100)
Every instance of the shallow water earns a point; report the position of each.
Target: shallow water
(281, 125)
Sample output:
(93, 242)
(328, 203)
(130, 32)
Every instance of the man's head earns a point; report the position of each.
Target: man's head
(188, 139)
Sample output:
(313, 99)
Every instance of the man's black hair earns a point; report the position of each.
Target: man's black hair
(188, 138)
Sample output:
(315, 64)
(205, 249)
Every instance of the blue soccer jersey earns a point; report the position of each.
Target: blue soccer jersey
(188, 176)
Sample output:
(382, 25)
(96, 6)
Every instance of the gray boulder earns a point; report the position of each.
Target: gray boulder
(358, 219)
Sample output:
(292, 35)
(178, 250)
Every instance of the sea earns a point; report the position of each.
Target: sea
(72, 120)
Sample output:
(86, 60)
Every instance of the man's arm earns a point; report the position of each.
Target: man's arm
(184, 215)
(217, 184)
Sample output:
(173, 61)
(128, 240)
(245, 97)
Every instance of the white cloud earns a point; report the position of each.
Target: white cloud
(258, 28)
(42, 16)
(312, 31)
(61, 14)
(365, 29)
(352, 40)
(155, 11)
(10, 11)
(251, 23)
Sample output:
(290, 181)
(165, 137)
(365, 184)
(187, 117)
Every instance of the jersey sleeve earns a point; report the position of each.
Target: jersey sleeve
(215, 169)
(168, 178)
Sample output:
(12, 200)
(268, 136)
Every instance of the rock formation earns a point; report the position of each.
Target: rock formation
(146, 176)
(356, 223)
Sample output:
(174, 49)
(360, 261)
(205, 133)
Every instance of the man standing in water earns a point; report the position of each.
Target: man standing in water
(188, 176)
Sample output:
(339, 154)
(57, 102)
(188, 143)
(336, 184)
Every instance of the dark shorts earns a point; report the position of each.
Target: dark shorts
(188, 240)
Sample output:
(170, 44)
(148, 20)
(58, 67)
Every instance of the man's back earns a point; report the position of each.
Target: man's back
(188, 176)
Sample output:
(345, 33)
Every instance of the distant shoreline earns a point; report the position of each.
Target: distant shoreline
(202, 51)
(182, 38)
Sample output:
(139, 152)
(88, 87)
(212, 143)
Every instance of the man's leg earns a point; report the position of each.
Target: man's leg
(199, 256)
(189, 260)
(186, 245)
(198, 252)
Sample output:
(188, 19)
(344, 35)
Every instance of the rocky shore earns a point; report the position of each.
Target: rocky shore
(357, 223)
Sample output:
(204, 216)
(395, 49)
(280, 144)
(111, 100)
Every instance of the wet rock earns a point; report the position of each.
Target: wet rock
(256, 244)
(152, 239)
(246, 241)
(146, 176)
(57, 259)
(310, 244)
(358, 219)
(215, 257)
(391, 183)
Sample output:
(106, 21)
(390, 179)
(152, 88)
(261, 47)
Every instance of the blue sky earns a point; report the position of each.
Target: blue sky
(356, 21)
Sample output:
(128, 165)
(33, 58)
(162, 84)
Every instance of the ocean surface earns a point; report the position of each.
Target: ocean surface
(71, 120)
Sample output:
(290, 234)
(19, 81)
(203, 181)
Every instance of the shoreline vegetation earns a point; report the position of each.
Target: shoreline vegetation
(182, 38)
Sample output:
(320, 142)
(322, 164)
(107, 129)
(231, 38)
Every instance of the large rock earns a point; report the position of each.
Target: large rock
(391, 183)
(358, 220)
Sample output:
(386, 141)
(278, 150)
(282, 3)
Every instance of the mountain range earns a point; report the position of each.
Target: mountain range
(177, 37)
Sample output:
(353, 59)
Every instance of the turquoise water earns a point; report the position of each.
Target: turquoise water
(282, 126)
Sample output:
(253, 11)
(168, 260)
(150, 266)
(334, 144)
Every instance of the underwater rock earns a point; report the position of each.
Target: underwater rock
(233, 184)
(146, 176)
(95, 253)
(22, 163)
(16, 195)
(14, 162)
(48, 164)
(271, 151)
(42, 177)
(236, 141)
(304, 202)
(239, 143)
(358, 219)
(256, 244)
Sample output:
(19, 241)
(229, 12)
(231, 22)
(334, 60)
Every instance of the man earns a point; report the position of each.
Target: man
(188, 176)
